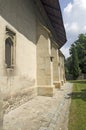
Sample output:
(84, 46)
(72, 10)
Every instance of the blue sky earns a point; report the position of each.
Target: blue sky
(64, 3)
(74, 17)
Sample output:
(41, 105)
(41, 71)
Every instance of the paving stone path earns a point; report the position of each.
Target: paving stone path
(41, 113)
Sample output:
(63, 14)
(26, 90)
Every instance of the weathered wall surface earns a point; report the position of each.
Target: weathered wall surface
(32, 61)
(18, 16)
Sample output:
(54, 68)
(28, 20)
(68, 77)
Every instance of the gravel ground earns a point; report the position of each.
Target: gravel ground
(41, 113)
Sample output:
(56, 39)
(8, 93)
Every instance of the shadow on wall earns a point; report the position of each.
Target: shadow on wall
(21, 15)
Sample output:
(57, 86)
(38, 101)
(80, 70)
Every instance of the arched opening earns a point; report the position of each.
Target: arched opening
(8, 52)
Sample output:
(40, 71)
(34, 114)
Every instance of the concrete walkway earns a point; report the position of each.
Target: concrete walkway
(41, 113)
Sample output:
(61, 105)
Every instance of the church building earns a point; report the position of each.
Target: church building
(31, 35)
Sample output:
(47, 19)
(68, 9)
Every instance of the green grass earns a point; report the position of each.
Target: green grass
(77, 116)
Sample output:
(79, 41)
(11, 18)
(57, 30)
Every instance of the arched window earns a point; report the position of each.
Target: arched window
(8, 52)
(9, 48)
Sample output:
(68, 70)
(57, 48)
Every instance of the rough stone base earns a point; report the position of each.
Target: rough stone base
(57, 84)
(62, 82)
(16, 99)
(45, 90)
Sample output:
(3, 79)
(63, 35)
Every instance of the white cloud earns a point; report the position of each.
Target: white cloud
(65, 51)
(84, 28)
(80, 3)
(74, 21)
(73, 28)
(68, 8)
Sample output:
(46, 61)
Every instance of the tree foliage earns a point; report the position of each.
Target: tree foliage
(77, 60)
(75, 70)
(81, 51)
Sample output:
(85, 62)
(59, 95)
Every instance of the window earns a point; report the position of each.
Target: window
(9, 48)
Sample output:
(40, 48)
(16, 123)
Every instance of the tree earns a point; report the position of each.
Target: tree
(75, 70)
(76, 63)
(81, 51)
(68, 66)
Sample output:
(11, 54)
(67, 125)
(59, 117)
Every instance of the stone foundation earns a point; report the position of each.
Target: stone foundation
(62, 82)
(45, 90)
(57, 84)
(14, 100)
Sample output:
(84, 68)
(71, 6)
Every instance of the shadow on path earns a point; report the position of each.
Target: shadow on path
(78, 95)
(81, 94)
(79, 81)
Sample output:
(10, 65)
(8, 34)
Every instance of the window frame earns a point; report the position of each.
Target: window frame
(12, 36)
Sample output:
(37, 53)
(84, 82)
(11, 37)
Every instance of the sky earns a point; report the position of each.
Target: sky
(74, 17)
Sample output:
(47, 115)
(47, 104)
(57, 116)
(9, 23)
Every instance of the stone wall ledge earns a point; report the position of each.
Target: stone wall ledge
(14, 100)
(45, 90)
(57, 84)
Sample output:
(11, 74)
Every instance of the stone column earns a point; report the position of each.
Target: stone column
(63, 72)
(44, 65)
(55, 66)
(61, 68)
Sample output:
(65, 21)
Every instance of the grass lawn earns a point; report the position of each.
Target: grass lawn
(77, 116)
